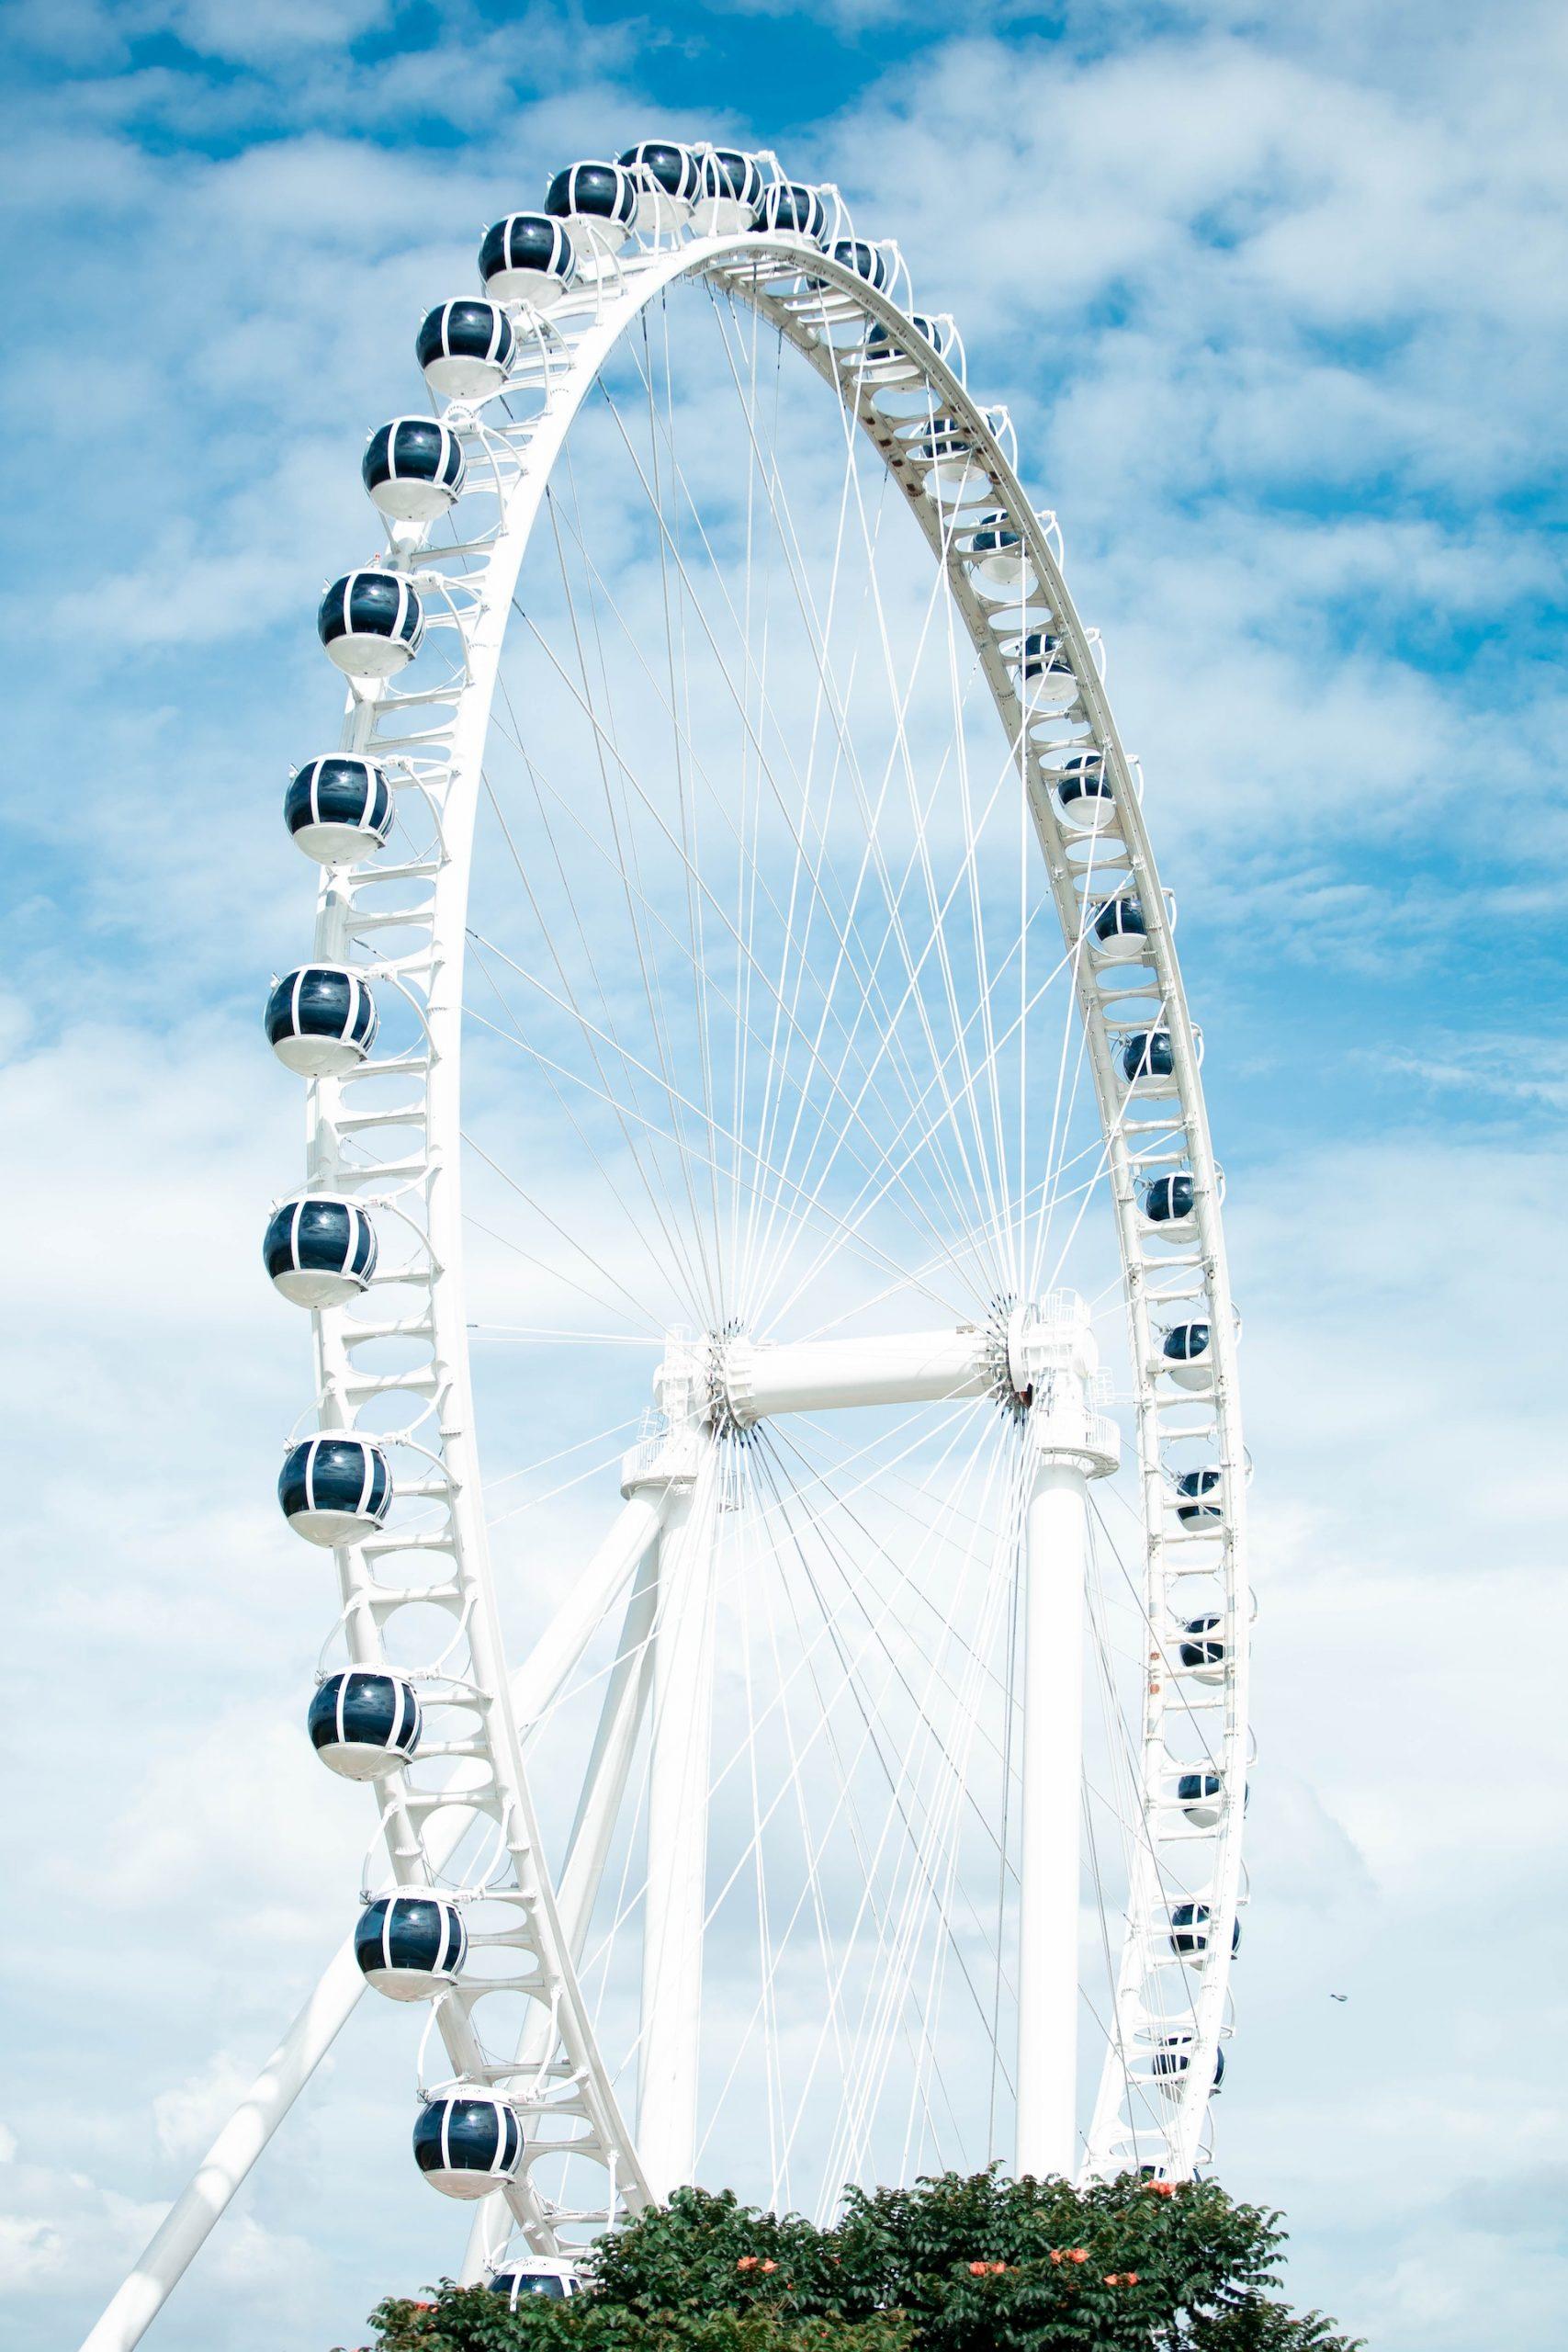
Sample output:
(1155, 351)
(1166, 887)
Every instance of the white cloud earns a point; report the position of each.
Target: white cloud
(187, 2116)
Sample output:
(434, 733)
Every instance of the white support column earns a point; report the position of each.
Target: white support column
(1052, 1359)
(593, 1594)
(1054, 1536)
(677, 1830)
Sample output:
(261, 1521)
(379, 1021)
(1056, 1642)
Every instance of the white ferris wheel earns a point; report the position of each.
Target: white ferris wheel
(747, 1072)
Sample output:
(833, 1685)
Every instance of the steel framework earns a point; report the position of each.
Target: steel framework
(388, 1133)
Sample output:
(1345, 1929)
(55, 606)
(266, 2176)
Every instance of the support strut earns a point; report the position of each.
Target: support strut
(1052, 1359)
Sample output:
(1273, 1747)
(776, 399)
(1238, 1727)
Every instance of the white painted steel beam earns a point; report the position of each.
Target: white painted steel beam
(1055, 1539)
(1053, 1358)
(674, 1907)
(814, 1375)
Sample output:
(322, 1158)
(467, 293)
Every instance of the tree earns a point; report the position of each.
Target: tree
(956, 2264)
(469, 2318)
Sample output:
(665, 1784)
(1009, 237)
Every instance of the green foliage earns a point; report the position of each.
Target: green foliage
(1257, 2324)
(975, 2264)
(467, 2318)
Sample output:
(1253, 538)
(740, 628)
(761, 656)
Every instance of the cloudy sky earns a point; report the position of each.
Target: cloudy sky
(1276, 299)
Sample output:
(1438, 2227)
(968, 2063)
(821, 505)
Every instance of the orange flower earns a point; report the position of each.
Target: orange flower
(978, 2270)
(1056, 2254)
(1131, 2279)
(1077, 2253)
(746, 2262)
(997, 2267)
(769, 2265)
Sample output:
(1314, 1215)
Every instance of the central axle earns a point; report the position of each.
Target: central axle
(1038, 1361)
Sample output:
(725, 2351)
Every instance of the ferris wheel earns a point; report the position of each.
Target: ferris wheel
(747, 1072)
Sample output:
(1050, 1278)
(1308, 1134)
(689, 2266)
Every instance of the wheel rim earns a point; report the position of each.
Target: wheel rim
(408, 916)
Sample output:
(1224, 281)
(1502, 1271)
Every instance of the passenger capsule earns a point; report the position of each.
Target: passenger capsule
(409, 1945)
(364, 1723)
(527, 257)
(1173, 2060)
(371, 623)
(321, 1020)
(1190, 1933)
(998, 564)
(870, 262)
(334, 1488)
(1170, 1209)
(1202, 1493)
(1148, 1061)
(414, 468)
(1187, 1354)
(943, 439)
(598, 203)
(468, 2142)
(944, 452)
(551, 2275)
(1199, 1795)
(881, 349)
(339, 808)
(1042, 654)
(729, 191)
(1083, 791)
(668, 179)
(1120, 934)
(786, 208)
(466, 349)
(1203, 1649)
(319, 1250)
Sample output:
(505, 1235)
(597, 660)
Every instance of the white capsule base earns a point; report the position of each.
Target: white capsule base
(361, 655)
(1172, 1232)
(1123, 947)
(596, 235)
(337, 844)
(1047, 690)
(408, 1984)
(466, 2187)
(328, 1528)
(1087, 812)
(356, 1761)
(956, 478)
(319, 1057)
(1202, 1813)
(720, 216)
(1195, 1373)
(318, 1286)
(462, 378)
(540, 288)
(411, 501)
(1003, 577)
(660, 213)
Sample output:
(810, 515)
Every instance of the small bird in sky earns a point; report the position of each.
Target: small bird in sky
(1339, 1997)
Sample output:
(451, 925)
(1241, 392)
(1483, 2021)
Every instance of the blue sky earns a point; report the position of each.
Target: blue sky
(1276, 299)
